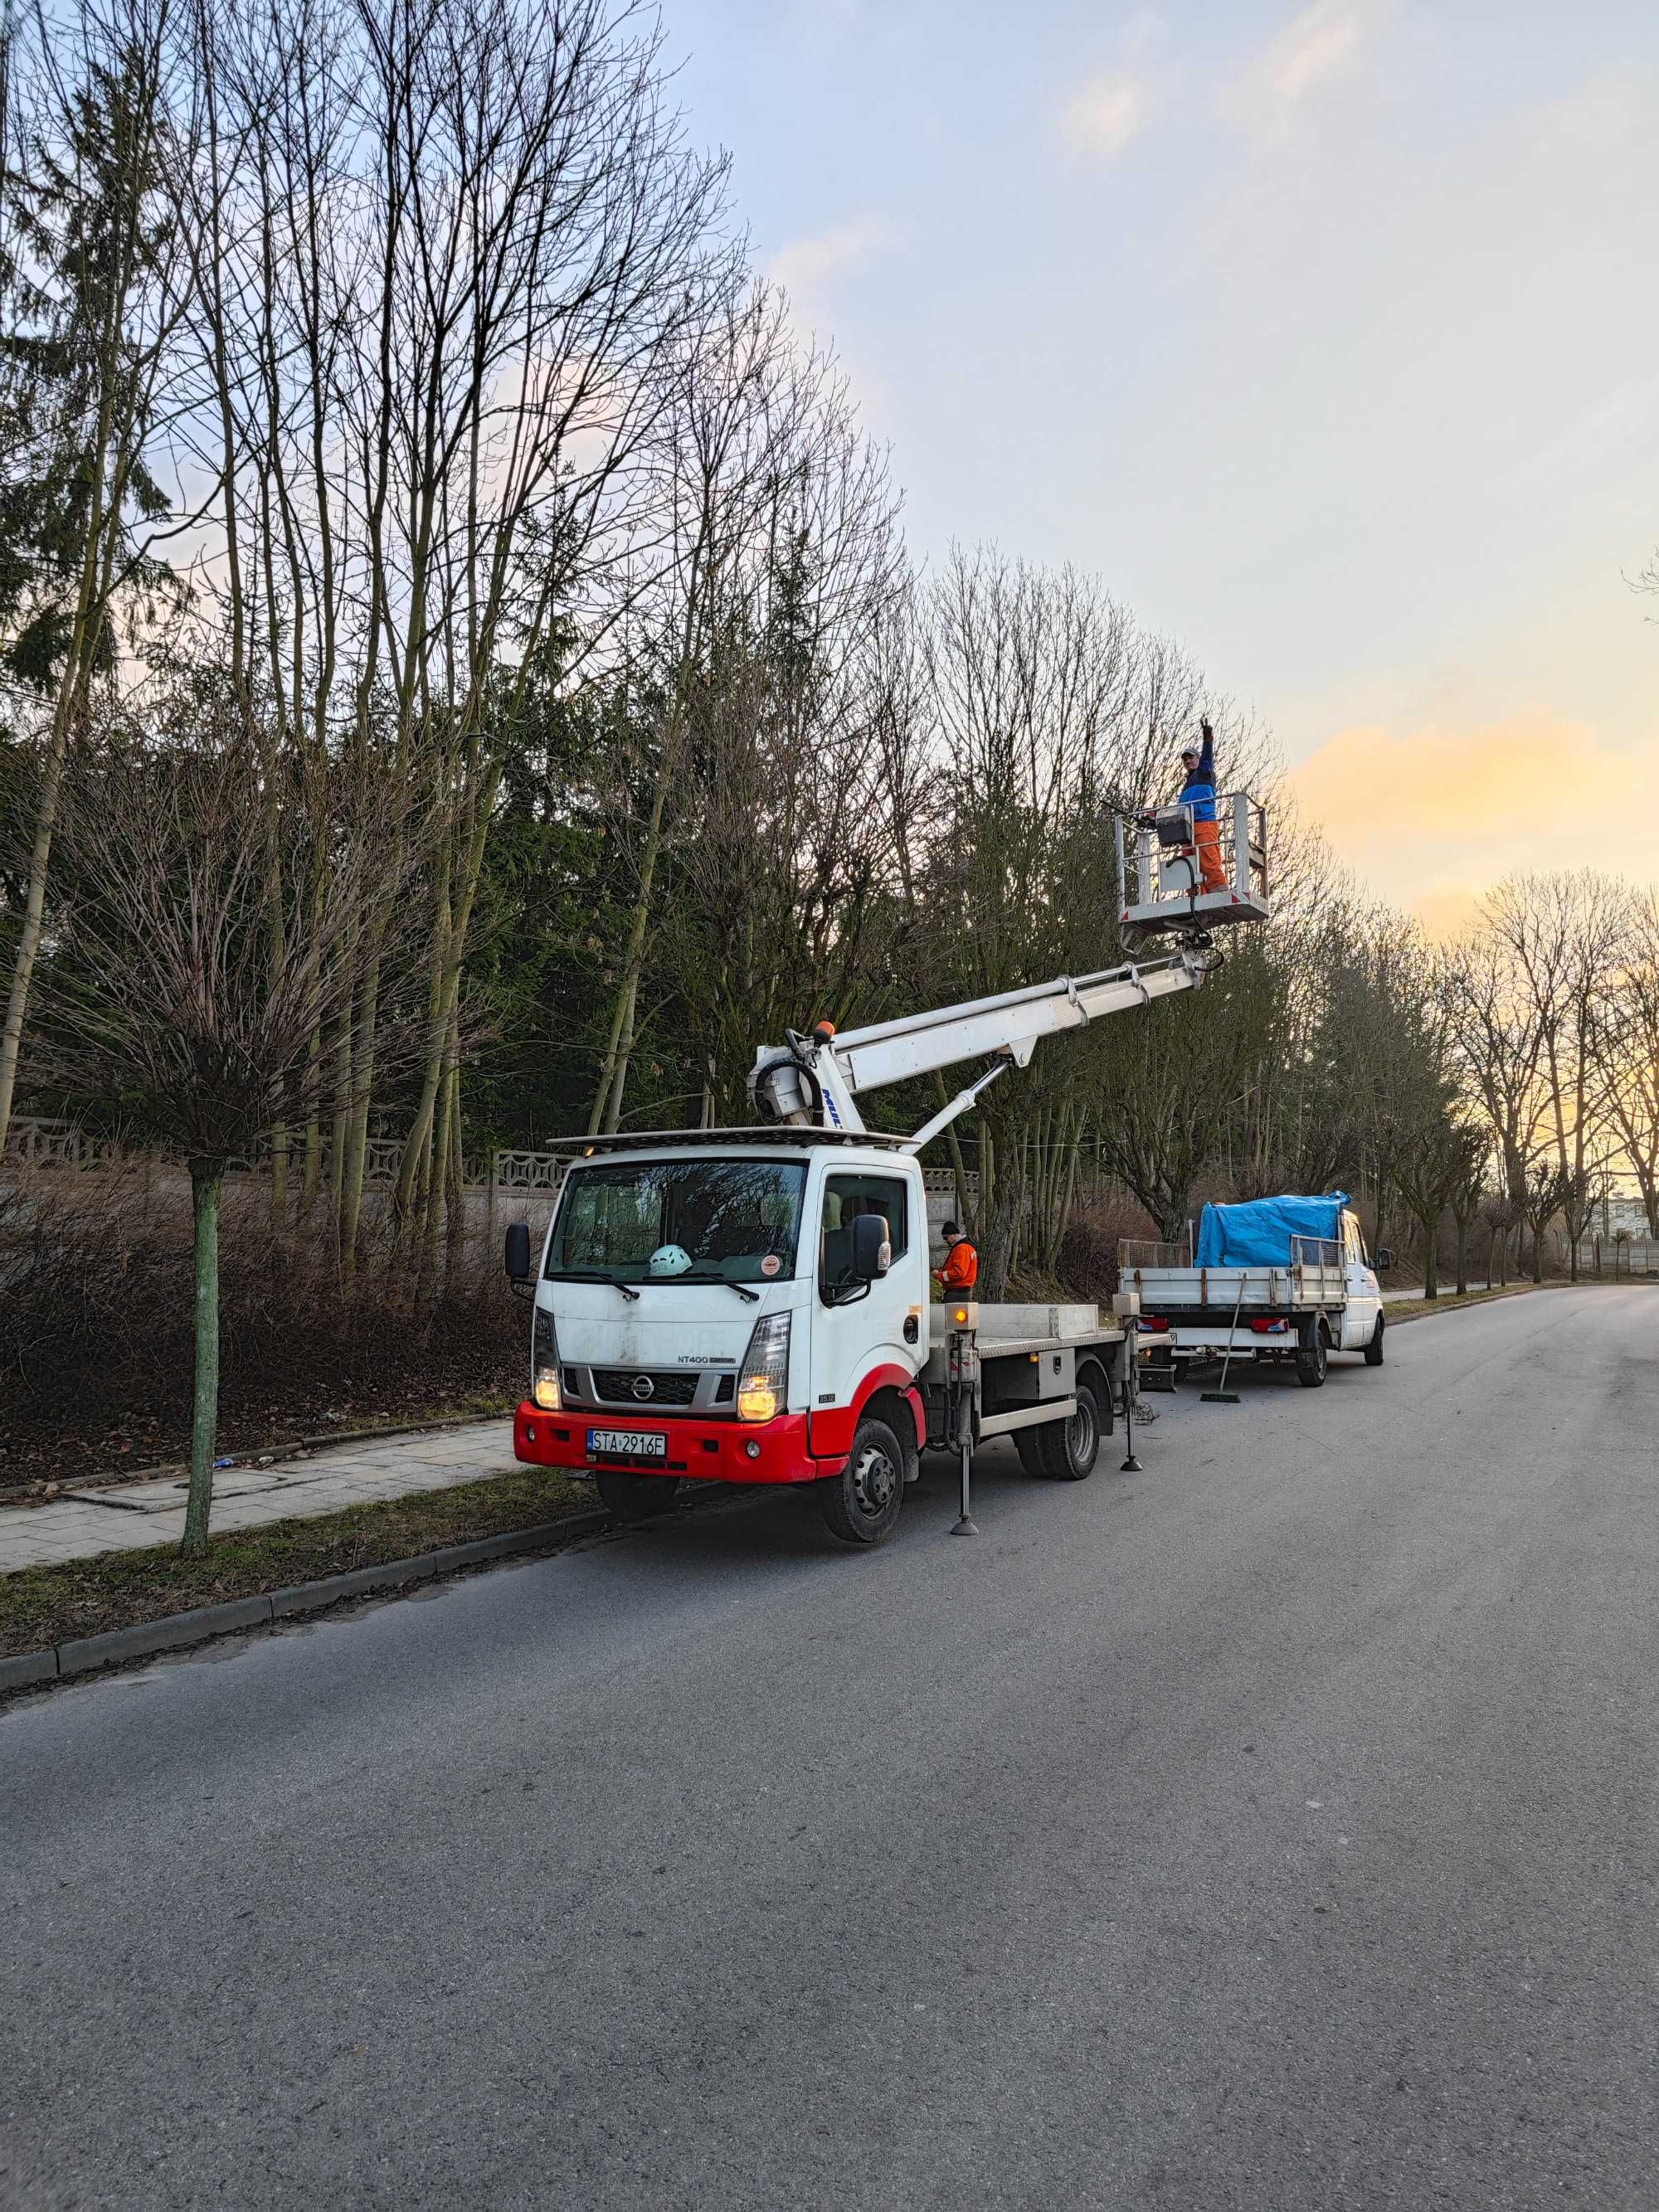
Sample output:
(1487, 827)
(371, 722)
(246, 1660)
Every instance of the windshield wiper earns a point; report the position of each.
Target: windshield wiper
(590, 1275)
(708, 1275)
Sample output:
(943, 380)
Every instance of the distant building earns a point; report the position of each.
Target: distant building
(1624, 1212)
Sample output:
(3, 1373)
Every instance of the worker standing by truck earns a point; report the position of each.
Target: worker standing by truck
(1198, 792)
(961, 1270)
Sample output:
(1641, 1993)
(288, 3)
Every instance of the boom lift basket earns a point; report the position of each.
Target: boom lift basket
(1162, 879)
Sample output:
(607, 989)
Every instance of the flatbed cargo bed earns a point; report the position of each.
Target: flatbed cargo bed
(1008, 1331)
(1302, 1288)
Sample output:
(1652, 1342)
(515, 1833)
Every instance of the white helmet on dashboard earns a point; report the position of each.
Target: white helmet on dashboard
(669, 1260)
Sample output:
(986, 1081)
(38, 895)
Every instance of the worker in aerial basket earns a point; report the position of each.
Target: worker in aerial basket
(961, 1270)
(1198, 792)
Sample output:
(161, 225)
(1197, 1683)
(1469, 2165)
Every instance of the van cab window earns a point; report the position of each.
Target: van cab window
(846, 1197)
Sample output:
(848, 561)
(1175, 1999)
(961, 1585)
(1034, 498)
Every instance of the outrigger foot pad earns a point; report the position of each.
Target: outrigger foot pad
(966, 1526)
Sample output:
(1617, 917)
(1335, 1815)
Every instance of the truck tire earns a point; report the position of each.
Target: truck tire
(1105, 1398)
(1028, 1443)
(1070, 1448)
(1312, 1358)
(1374, 1349)
(862, 1503)
(635, 1497)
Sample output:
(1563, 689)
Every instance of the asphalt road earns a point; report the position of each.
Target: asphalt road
(1275, 1828)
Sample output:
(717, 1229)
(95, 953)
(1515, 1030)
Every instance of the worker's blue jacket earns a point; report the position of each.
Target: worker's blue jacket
(1199, 790)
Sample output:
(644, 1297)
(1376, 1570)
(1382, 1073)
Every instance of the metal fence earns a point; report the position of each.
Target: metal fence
(1613, 1258)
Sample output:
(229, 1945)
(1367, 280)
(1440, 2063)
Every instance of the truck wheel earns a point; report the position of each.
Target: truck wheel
(1105, 1397)
(861, 1503)
(1374, 1349)
(632, 1497)
(1312, 1360)
(1028, 1443)
(1071, 1448)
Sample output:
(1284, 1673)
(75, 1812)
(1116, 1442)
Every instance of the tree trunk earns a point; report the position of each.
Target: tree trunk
(1001, 1251)
(356, 1132)
(613, 1073)
(966, 1215)
(206, 1183)
(28, 941)
(1430, 1257)
(1462, 1258)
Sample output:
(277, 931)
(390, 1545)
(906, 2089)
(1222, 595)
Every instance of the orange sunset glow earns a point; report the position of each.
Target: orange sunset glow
(1430, 817)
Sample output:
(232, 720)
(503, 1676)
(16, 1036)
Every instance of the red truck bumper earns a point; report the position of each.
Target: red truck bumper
(713, 1451)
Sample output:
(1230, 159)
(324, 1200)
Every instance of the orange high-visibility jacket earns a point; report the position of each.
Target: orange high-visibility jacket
(961, 1269)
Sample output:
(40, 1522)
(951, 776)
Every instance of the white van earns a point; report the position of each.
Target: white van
(1323, 1297)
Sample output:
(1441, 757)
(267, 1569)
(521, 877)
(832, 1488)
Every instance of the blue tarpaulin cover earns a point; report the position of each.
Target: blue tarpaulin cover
(1258, 1233)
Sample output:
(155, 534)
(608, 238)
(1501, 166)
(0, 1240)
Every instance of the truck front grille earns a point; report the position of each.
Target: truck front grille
(616, 1386)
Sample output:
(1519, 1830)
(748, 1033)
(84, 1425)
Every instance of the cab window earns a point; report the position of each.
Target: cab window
(845, 1197)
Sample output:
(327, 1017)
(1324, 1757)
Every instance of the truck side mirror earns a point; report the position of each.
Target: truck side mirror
(515, 1257)
(1384, 1259)
(872, 1248)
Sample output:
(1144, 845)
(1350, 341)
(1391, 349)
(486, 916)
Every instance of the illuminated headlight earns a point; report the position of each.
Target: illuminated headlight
(544, 1363)
(763, 1380)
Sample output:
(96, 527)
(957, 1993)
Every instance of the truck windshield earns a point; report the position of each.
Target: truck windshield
(739, 1219)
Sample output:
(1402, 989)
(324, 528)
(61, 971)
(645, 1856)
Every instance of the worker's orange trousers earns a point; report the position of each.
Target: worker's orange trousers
(1212, 875)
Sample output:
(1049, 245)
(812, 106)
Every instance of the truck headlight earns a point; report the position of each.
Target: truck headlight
(544, 1363)
(763, 1378)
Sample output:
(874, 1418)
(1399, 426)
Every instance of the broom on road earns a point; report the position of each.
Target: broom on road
(1224, 1396)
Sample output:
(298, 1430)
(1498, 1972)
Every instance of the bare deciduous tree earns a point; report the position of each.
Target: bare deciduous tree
(167, 995)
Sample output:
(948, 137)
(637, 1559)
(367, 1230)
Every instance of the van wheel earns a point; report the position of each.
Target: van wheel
(861, 1503)
(1374, 1349)
(1312, 1360)
(635, 1497)
(1071, 1448)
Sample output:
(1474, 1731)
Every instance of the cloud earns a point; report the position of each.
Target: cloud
(808, 267)
(1431, 818)
(1108, 112)
(1319, 44)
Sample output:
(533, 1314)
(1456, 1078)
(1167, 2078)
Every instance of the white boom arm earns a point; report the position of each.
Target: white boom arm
(816, 1080)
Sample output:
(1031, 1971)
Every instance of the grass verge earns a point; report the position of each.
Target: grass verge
(1398, 1309)
(42, 1606)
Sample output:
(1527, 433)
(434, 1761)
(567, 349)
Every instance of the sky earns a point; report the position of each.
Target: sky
(1328, 337)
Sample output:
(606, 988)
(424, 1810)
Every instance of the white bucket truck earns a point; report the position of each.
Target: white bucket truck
(753, 1305)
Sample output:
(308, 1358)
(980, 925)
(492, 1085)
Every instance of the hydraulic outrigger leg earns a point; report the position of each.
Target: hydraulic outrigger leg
(964, 1365)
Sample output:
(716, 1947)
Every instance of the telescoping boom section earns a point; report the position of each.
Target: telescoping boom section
(816, 1081)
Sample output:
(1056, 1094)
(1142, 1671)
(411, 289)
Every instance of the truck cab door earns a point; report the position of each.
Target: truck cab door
(859, 1328)
(1364, 1293)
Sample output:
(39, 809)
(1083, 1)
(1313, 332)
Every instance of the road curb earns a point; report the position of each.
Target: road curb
(24, 1668)
(178, 1631)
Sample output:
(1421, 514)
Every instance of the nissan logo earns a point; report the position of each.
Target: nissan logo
(644, 1387)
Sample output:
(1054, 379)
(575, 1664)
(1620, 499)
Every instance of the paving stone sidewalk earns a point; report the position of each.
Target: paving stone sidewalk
(122, 1516)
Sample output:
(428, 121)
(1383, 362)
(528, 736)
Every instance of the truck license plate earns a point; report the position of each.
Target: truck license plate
(628, 1443)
